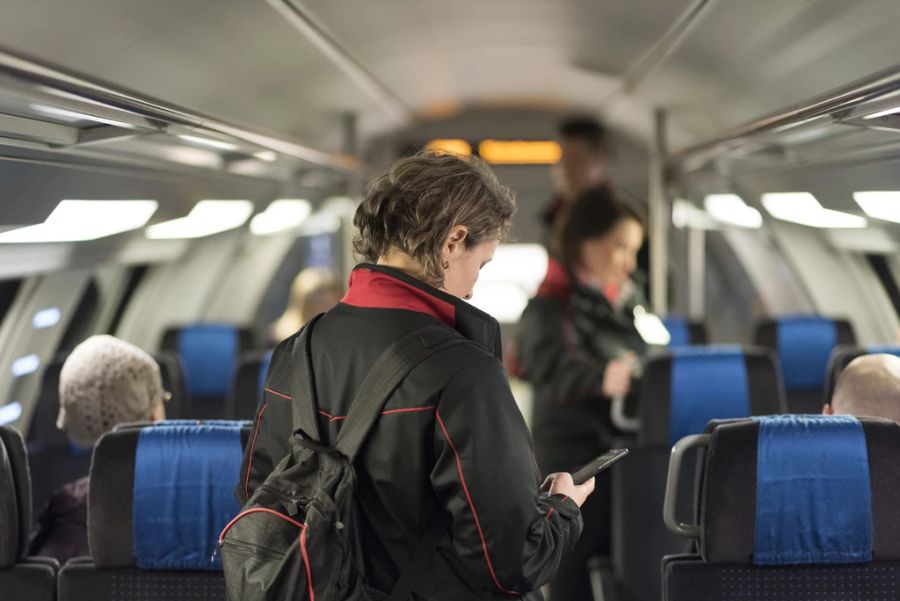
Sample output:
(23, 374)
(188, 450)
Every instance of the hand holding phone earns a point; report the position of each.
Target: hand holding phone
(604, 461)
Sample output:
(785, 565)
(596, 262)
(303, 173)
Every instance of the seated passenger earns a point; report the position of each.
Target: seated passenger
(578, 346)
(104, 382)
(869, 386)
(314, 291)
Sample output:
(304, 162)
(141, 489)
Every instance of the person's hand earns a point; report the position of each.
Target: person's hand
(617, 375)
(561, 484)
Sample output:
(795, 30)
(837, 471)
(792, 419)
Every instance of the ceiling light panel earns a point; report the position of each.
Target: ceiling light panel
(80, 220)
(281, 215)
(208, 217)
(880, 205)
(803, 208)
(732, 210)
(685, 214)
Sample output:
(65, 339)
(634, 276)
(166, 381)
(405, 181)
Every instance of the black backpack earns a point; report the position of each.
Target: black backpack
(297, 537)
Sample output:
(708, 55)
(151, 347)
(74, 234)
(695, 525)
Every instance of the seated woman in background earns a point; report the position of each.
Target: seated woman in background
(104, 382)
(577, 345)
(315, 290)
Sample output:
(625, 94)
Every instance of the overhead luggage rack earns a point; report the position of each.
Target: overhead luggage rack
(43, 107)
(872, 103)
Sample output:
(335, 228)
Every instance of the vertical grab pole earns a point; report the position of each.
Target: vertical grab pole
(660, 218)
(696, 273)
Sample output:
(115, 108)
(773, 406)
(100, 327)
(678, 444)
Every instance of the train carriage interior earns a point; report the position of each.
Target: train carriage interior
(168, 168)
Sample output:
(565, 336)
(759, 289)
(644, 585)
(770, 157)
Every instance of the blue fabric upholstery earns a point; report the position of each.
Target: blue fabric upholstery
(184, 477)
(707, 383)
(804, 345)
(813, 491)
(210, 353)
(679, 330)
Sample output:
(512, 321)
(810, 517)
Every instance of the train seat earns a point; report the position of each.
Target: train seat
(159, 495)
(791, 507)
(803, 345)
(685, 332)
(682, 390)
(247, 391)
(54, 460)
(209, 353)
(841, 358)
(21, 577)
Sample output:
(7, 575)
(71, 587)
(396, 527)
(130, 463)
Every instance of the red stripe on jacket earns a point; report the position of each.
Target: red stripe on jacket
(462, 479)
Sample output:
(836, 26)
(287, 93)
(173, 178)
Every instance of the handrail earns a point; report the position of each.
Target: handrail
(105, 94)
(841, 99)
(302, 19)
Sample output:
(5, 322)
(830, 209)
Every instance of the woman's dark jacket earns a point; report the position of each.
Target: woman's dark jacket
(567, 335)
(62, 525)
(450, 439)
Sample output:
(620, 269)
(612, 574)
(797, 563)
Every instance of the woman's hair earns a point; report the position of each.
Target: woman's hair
(594, 214)
(314, 290)
(413, 207)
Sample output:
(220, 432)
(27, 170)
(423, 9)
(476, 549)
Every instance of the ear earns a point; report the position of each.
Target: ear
(827, 410)
(455, 245)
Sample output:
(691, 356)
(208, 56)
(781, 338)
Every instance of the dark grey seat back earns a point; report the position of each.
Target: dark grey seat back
(725, 569)
(247, 390)
(21, 577)
(112, 573)
(640, 539)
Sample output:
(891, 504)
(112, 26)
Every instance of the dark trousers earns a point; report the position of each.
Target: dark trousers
(572, 582)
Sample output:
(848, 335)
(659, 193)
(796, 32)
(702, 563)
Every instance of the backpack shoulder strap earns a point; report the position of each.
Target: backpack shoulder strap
(304, 407)
(389, 370)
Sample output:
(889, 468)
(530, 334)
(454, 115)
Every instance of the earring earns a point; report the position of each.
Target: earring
(445, 264)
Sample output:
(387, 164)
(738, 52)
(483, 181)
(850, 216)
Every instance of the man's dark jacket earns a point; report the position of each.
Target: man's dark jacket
(451, 438)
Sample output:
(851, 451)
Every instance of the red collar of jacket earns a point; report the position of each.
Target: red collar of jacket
(557, 283)
(377, 287)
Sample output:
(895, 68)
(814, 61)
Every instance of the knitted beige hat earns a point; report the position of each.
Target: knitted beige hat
(106, 381)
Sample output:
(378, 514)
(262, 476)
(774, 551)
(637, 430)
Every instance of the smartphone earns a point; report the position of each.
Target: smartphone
(586, 472)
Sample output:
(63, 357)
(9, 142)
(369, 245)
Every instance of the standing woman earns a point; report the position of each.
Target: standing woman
(452, 439)
(577, 345)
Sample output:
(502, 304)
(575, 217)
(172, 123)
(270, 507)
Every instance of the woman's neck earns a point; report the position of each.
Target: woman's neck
(399, 260)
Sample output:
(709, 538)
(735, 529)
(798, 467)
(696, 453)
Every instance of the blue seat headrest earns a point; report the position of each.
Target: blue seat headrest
(210, 352)
(813, 491)
(679, 329)
(804, 345)
(706, 383)
(184, 479)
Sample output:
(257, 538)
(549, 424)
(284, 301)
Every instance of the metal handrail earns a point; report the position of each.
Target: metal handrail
(839, 100)
(96, 91)
(669, 503)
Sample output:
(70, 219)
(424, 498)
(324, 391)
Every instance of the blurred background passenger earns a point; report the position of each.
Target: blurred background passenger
(578, 346)
(868, 387)
(104, 382)
(315, 290)
(582, 166)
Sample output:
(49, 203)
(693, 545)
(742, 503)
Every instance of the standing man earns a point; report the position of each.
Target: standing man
(582, 166)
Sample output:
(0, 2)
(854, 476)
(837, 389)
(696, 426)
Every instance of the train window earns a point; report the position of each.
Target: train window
(509, 280)
(135, 277)
(882, 269)
(8, 290)
(82, 320)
